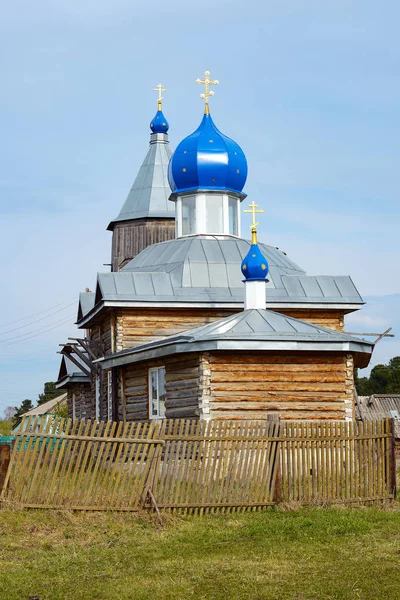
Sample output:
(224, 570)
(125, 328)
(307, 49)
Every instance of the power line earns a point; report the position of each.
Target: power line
(35, 314)
(17, 341)
(16, 337)
(37, 320)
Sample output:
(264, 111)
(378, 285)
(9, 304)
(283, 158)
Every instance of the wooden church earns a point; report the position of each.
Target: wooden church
(196, 321)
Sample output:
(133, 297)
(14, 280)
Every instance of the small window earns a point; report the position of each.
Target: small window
(157, 393)
(214, 214)
(188, 215)
(233, 216)
(109, 395)
(97, 398)
(73, 406)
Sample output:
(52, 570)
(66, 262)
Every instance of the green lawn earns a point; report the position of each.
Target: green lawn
(302, 554)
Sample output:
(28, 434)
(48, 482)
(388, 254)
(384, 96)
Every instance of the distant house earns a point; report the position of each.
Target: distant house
(380, 406)
(73, 376)
(45, 410)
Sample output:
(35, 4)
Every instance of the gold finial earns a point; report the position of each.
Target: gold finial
(253, 210)
(207, 93)
(160, 89)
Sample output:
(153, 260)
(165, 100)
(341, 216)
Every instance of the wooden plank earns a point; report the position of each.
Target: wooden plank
(5, 456)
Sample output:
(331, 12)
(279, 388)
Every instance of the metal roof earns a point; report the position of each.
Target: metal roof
(380, 406)
(46, 407)
(249, 330)
(86, 303)
(69, 372)
(149, 194)
(205, 270)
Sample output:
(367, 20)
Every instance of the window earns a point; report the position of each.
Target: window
(157, 393)
(73, 406)
(233, 216)
(214, 214)
(97, 398)
(109, 395)
(188, 215)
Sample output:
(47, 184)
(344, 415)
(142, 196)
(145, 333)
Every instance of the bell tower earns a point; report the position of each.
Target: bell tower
(147, 216)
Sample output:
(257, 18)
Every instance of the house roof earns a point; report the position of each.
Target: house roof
(380, 406)
(205, 271)
(249, 330)
(47, 407)
(149, 194)
(86, 303)
(69, 372)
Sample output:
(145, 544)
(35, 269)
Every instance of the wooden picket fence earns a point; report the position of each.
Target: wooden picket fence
(328, 461)
(198, 466)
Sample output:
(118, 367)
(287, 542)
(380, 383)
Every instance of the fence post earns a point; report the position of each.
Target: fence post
(392, 457)
(5, 453)
(277, 491)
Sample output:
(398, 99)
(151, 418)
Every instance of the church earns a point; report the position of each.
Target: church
(196, 321)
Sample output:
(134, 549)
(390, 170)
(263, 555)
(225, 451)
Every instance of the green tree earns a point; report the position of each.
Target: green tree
(50, 391)
(25, 406)
(383, 379)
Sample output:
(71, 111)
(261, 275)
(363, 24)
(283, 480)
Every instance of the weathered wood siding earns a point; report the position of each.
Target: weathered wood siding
(181, 388)
(294, 386)
(83, 400)
(131, 237)
(142, 326)
(332, 319)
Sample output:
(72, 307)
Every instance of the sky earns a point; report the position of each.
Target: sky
(309, 89)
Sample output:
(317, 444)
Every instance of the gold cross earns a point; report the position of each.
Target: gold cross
(207, 93)
(160, 89)
(253, 210)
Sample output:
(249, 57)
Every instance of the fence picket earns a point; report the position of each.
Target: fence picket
(198, 466)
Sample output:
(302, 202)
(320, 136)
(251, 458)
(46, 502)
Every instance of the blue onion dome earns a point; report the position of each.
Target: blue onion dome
(207, 160)
(255, 265)
(159, 124)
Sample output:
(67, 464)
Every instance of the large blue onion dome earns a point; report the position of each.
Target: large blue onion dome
(159, 124)
(255, 265)
(207, 160)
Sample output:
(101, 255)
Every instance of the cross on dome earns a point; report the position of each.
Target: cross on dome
(207, 92)
(253, 211)
(160, 89)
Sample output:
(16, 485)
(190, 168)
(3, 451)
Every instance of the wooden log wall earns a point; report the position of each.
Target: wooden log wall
(332, 319)
(83, 400)
(131, 237)
(293, 386)
(137, 326)
(181, 388)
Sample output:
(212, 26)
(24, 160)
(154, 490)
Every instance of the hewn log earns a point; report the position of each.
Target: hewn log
(182, 413)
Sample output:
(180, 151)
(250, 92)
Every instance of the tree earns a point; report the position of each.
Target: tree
(383, 379)
(25, 406)
(9, 412)
(50, 391)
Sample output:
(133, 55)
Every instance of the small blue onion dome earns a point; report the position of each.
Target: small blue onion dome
(159, 124)
(255, 265)
(207, 160)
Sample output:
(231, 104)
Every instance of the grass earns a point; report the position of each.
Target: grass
(305, 554)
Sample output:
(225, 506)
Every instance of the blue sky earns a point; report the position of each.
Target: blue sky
(308, 88)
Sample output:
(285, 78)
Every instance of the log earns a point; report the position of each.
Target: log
(181, 402)
(182, 413)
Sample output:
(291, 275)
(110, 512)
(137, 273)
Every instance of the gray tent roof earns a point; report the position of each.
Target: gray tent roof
(249, 330)
(149, 194)
(69, 373)
(205, 271)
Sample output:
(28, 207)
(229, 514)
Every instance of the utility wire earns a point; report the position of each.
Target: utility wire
(37, 320)
(16, 337)
(17, 341)
(36, 314)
